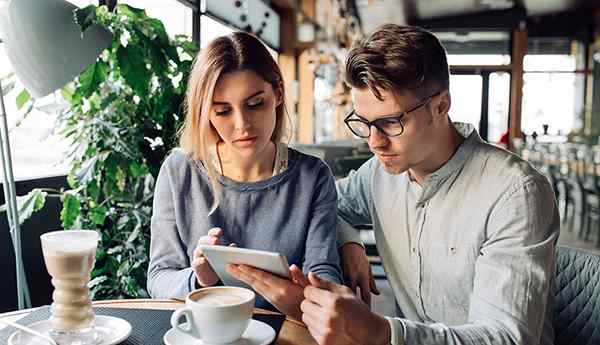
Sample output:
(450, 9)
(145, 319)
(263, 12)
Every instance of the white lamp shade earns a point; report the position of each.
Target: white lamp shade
(45, 45)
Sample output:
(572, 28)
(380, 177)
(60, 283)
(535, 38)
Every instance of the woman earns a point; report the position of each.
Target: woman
(234, 181)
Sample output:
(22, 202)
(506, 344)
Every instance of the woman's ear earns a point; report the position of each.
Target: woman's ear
(278, 94)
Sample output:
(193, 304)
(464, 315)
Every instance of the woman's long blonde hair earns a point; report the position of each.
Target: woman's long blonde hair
(235, 52)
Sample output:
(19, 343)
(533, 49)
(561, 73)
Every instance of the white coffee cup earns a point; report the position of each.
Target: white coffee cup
(216, 315)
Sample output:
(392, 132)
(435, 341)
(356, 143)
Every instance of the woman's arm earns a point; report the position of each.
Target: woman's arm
(169, 271)
(321, 255)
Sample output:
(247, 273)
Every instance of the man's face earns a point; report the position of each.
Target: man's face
(408, 150)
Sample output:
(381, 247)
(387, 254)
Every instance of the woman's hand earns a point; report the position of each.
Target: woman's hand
(284, 294)
(205, 275)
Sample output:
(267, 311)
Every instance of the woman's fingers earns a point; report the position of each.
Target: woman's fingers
(215, 232)
(198, 263)
(297, 276)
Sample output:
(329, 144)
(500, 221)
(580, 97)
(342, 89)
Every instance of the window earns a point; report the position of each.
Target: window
(476, 47)
(498, 105)
(83, 3)
(36, 150)
(211, 29)
(177, 18)
(466, 99)
(552, 93)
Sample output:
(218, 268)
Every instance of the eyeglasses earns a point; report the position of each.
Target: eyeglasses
(390, 125)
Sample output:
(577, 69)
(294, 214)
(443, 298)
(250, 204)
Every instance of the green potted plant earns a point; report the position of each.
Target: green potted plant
(122, 120)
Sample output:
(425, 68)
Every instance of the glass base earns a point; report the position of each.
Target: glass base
(83, 336)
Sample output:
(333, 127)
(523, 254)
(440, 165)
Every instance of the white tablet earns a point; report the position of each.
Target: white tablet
(220, 256)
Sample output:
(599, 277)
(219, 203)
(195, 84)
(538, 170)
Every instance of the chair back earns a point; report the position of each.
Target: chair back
(576, 309)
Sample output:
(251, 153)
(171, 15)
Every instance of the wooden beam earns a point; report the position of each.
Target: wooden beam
(592, 113)
(519, 47)
(287, 63)
(283, 4)
(306, 81)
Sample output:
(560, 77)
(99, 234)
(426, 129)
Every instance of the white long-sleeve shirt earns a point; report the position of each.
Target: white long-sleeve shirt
(470, 253)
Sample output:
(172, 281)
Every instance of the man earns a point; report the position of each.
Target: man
(466, 231)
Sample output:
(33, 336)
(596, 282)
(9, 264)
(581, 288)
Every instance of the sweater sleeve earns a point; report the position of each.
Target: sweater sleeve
(169, 271)
(321, 256)
(354, 201)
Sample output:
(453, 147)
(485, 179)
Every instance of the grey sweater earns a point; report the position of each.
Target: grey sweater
(293, 213)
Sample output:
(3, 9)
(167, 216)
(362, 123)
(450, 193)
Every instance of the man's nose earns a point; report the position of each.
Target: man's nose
(377, 138)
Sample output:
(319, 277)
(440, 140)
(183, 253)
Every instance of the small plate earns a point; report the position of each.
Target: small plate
(112, 329)
(257, 333)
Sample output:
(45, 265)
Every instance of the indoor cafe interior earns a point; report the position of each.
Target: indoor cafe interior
(95, 97)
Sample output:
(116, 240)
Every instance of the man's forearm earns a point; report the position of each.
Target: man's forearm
(410, 332)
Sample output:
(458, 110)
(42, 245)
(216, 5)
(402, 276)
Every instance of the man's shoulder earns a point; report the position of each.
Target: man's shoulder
(496, 165)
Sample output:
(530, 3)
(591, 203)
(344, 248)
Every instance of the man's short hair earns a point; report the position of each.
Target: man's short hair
(396, 59)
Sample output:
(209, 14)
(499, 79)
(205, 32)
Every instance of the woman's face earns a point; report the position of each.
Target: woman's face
(243, 112)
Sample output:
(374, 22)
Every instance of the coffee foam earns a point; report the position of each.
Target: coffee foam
(69, 241)
(220, 299)
(72, 246)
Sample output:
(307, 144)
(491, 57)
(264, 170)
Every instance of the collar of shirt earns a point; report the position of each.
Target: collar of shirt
(434, 180)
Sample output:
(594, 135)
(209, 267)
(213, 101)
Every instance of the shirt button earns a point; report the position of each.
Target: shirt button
(414, 250)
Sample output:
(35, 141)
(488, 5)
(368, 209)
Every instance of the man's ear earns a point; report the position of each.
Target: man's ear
(442, 104)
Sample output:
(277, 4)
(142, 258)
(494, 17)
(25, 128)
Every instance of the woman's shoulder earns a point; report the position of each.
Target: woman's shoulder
(308, 163)
(179, 162)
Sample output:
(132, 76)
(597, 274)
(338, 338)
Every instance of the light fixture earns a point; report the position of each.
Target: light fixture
(305, 30)
(47, 50)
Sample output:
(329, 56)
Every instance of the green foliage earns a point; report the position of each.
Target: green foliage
(124, 114)
(29, 204)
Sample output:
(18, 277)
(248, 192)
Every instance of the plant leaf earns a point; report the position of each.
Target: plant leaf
(132, 64)
(85, 17)
(22, 98)
(91, 78)
(86, 173)
(28, 204)
(70, 211)
(98, 215)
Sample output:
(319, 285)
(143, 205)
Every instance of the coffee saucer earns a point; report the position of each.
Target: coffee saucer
(257, 333)
(113, 330)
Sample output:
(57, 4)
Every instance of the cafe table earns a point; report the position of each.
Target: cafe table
(292, 332)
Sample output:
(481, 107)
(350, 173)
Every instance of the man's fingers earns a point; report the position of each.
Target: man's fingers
(314, 327)
(365, 292)
(351, 282)
(373, 286)
(297, 276)
(321, 283)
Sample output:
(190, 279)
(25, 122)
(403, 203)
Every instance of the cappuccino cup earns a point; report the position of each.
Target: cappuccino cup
(216, 315)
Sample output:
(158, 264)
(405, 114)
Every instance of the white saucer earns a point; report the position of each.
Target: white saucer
(257, 333)
(112, 329)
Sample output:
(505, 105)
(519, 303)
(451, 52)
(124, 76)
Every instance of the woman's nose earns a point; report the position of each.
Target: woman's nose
(241, 121)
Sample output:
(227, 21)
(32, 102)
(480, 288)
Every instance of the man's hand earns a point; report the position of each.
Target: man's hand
(357, 271)
(334, 315)
(284, 294)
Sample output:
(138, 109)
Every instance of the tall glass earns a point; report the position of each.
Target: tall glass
(69, 256)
